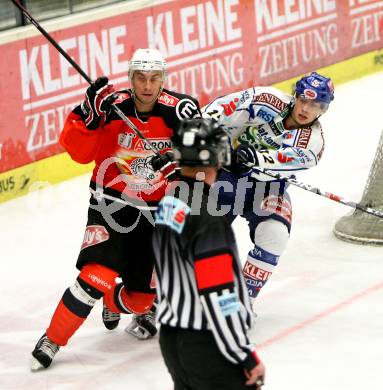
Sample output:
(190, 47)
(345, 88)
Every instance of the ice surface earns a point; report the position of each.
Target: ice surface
(320, 318)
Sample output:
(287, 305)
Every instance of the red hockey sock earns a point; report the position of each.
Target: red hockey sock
(77, 302)
(63, 325)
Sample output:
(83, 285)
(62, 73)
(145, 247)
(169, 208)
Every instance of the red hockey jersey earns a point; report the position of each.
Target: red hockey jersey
(122, 158)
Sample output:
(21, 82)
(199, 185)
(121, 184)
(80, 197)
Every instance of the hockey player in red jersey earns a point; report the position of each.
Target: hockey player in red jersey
(125, 190)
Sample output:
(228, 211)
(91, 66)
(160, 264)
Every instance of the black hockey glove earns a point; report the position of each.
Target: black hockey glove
(98, 102)
(166, 164)
(245, 158)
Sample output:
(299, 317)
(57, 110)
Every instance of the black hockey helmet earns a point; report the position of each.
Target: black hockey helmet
(201, 142)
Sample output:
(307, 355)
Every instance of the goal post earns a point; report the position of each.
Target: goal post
(359, 227)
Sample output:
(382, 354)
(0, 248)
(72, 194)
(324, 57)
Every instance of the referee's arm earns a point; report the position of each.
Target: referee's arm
(216, 277)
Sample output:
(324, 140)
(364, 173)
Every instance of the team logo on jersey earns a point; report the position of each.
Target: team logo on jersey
(186, 108)
(271, 100)
(275, 129)
(304, 138)
(141, 167)
(263, 134)
(230, 107)
(158, 144)
(285, 157)
(303, 157)
(265, 114)
(244, 96)
(126, 139)
(94, 234)
(168, 100)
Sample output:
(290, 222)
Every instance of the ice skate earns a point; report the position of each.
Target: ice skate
(110, 318)
(143, 326)
(43, 354)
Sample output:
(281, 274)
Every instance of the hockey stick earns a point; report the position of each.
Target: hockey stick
(317, 191)
(82, 73)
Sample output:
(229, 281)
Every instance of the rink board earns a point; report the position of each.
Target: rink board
(212, 47)
(55, 169)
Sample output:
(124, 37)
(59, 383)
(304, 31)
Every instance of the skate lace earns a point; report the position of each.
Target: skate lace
(49, 347)
(109, 315)
(149, 317)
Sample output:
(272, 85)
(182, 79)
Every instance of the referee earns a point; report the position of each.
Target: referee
(204, 309)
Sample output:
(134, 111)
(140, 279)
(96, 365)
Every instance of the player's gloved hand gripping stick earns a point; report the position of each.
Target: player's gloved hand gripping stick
(166, 164)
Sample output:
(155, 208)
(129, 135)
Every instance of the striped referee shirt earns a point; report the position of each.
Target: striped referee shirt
(200, 284)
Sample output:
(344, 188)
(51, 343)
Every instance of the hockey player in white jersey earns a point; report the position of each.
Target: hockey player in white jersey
(279, 132)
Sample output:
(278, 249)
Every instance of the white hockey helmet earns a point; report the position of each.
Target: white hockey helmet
(147, 60)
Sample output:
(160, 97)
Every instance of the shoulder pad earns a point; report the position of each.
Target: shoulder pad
(272, 97)
(168, 99)
(185, 106)
(177, 95)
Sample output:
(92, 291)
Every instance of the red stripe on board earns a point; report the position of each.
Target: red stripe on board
(319, 316)
(214, 271)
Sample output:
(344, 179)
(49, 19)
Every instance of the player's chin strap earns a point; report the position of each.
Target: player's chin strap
(317, 191)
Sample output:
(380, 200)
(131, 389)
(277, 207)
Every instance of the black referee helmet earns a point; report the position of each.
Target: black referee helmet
(201, 142)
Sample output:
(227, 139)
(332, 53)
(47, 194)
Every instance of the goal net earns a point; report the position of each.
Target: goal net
(360, 227)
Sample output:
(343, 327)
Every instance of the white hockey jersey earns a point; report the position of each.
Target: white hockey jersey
(255, 116)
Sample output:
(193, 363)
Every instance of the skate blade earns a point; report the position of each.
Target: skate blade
(36, 365)
(137, 333)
